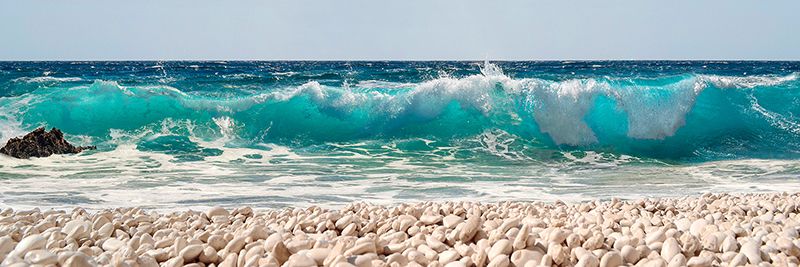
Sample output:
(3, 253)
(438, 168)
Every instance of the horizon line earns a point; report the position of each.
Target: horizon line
(384, 60)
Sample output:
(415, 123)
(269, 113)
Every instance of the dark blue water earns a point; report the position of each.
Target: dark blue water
(534, 123)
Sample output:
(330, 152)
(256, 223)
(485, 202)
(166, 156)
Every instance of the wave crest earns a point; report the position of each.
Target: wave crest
(633, 116)
(47, 79)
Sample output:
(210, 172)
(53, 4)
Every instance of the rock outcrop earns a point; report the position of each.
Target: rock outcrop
(41, 143)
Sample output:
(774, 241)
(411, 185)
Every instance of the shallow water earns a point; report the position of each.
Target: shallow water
(276, 134)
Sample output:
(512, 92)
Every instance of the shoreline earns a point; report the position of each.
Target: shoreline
(709, 230)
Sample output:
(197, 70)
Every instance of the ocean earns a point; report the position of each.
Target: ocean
(276, 134)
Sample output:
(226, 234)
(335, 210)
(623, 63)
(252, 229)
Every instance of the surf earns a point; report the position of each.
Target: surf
(695, 117)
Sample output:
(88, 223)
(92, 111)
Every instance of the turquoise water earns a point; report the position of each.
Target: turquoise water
(300, 133)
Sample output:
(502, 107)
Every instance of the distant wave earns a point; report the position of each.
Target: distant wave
(45, 79)
(748, 81)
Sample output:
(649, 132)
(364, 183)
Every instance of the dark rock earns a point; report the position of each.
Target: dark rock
(41, 143)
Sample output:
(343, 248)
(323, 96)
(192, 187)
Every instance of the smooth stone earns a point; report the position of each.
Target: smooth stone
(464, 250)
(235, 245)
(217, 242)
(502, 246)
(146, 261)
(729, 244)
(522, 257)
(347, 264)
(588, 260)
(397, 258)
(699, 262)
(521, 239)
(41, 257)
(697, 227)
(507, 224)
(76, 229)
(683, 224)
(78, 260)
(272, 240)
(174, 262)
(350, 230)
(365, 260)
(301, 260)
(499, 261)
(657, 236)
(450, 221)
(280, 253)
(32, 242)
(435, 244)
(691, 244)
(256, 250)
(786, 246)
(403, 222)
(455, 264)
(677, 261)
(446, 257)
(191, 252)
(112, 244)
(629, 254)
(739, 260)
(359, 249)
(547, 260)
(217, 211)
(105, 231)
(229, 261)
(670, 248)
(594, 242)
(6, 245)
(209, 255)
(343, 222)
(470, 229)
(611, 259)
(429, 219)
(318, 254)
(752, 251)
(429, 253)
(557, 236)
(711, 243)
(556, 253)
(728, 256)
(480, 258)
(659, 262)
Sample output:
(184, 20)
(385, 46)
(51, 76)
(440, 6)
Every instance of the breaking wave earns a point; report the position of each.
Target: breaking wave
(704, 117)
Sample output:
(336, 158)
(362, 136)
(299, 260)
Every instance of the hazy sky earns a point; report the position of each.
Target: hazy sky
(407, 29)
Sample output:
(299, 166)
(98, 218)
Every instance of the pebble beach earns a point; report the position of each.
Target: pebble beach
(707, 230)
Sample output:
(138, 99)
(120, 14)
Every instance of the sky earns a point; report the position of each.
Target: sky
(399, 30)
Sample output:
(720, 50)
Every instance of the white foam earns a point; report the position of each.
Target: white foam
(383, 84)
(10, 109)
(9, 128)
(240, 76)
(498, 143)
(559, 109)
(227, 127)
(748, 81)
(126, 177)
(44, 79)
(657, 112)
(775, 119)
